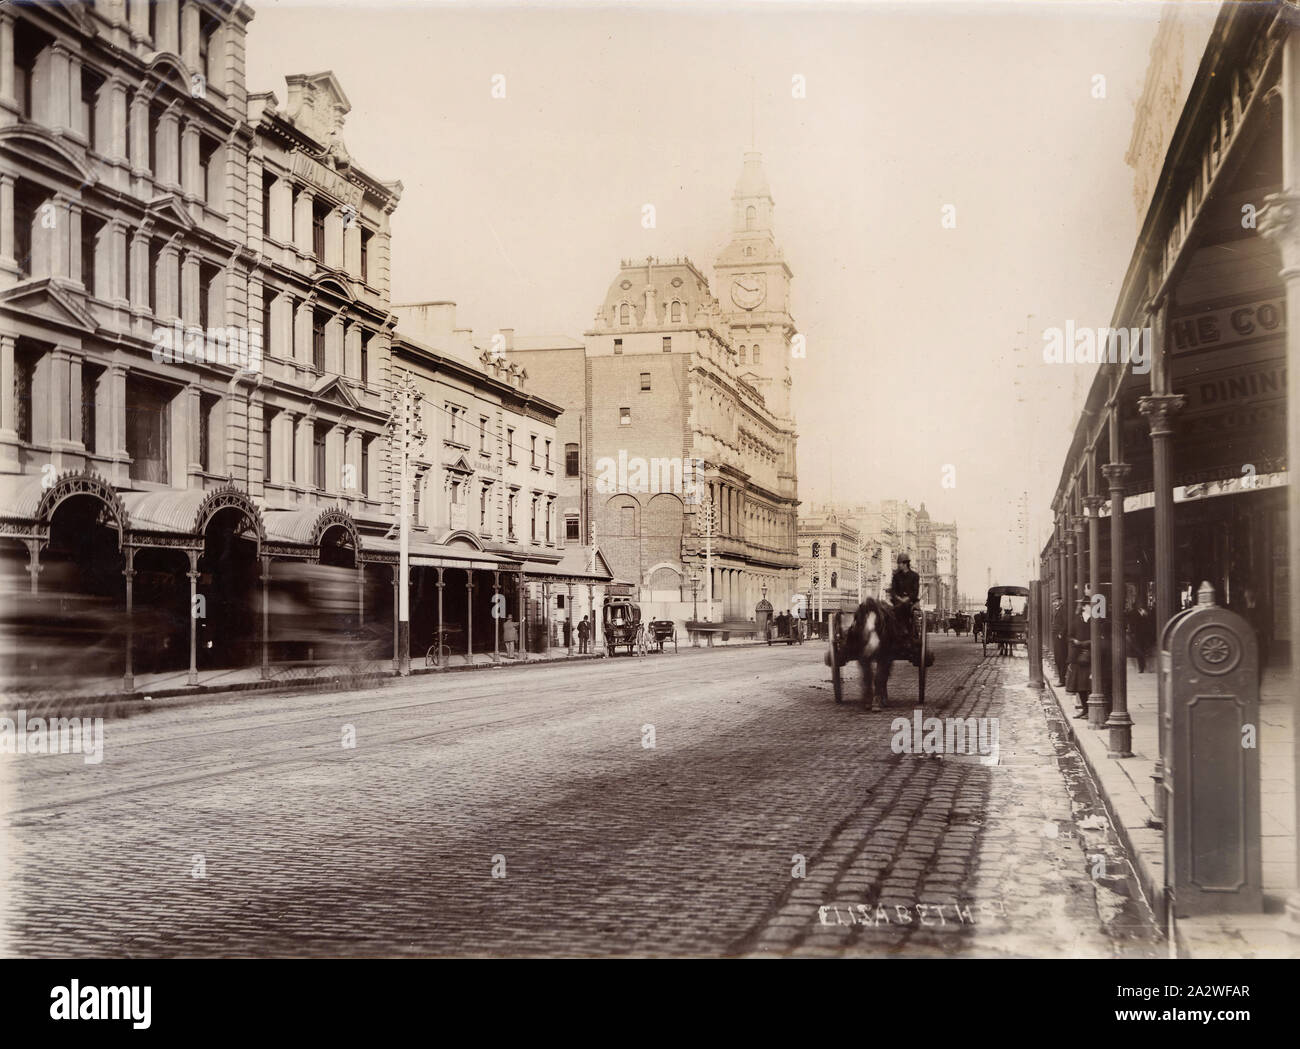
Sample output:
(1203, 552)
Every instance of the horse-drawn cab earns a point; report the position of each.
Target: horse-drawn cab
(1006, 620)
(662, 632)
(621, 617)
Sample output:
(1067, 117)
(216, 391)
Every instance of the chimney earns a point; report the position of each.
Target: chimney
(509, 333)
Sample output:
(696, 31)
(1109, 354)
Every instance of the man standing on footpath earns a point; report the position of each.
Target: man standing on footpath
(584, 632)
(1060, 639)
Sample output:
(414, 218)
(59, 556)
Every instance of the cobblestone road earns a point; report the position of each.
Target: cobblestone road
(609, 847)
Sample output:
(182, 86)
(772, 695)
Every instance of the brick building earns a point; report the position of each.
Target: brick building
(674, 417)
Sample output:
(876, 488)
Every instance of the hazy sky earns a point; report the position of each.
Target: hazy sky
(520, 209)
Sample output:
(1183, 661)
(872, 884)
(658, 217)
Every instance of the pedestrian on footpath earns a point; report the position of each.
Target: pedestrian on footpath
(510, 634)
(1060, 640)
(1078, 678)
(584, 632)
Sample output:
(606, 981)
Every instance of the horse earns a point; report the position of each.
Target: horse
(876, 638)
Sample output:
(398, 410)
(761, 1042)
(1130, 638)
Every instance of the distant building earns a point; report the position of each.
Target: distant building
(671, 388)
(830, 566)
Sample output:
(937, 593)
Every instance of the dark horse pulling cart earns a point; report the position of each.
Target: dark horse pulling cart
(1006, 623)
(875, 636)
(663, 631)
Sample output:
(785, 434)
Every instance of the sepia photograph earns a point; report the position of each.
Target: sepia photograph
(656, 480)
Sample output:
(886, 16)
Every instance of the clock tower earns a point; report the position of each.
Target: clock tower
(753, 283)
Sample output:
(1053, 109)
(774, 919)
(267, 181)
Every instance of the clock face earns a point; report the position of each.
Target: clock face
(749, 291)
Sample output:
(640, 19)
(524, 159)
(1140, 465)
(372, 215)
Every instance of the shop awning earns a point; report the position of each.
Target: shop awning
(574, 565)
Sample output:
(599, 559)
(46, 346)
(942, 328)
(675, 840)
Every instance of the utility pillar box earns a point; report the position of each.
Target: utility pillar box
(1209, 691)
(762, 616)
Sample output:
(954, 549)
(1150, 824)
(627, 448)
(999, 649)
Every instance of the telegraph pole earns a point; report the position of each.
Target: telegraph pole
(405, 435)
(708, 557)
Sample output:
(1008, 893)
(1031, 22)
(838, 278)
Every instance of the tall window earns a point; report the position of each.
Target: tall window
(624, 316)
(618, 345)
(570, 460)
(365, 467)
(89, 383)
(24, 376)
(510, 444)
(318, 340)
(676, 311)
(548, 456)
(210, 170)
(365, 255)
(534, 521)
(90, 84)
(205, 422)
(532, 438)
(571, 534)
(319, 209)
(148, 429)
(365, 358)
(267, 183)
(751, 217)
(510, 515)
(547, 511)
(482, 433)
(318, 450)
(453, 430)
(835, 580)
(645, 381)
(754, 354)
(91, 230)
(268, 422)
(834, 548)
(482, 508)
(743, 354)
(668, 344)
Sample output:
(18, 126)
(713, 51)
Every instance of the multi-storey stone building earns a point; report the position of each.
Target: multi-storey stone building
(196, 344)
(832, 564)
(676, 423)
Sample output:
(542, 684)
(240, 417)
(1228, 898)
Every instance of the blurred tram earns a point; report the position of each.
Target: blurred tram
(314, 616)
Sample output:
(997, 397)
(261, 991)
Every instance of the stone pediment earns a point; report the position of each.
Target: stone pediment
(459, 465)
(317, 106)
(170, 206)
(48, 301)
(335, 391)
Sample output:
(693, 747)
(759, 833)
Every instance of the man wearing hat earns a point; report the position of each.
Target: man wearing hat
(905, 589)
(1060, 639)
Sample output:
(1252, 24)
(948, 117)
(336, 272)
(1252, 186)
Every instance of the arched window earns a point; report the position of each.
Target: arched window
(751, 217)
(835, 579)
(755, 353)
(816, 582)
(742, 354)
(817, 549)
(834, 548)
(676, 311)
(625, 314)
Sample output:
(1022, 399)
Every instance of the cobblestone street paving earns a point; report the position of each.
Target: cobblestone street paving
(609, 847)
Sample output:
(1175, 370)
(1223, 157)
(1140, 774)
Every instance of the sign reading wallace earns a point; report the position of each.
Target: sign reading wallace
(326, 179)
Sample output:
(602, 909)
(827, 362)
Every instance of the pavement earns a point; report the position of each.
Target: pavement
(1128, 791)
(709, 802)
